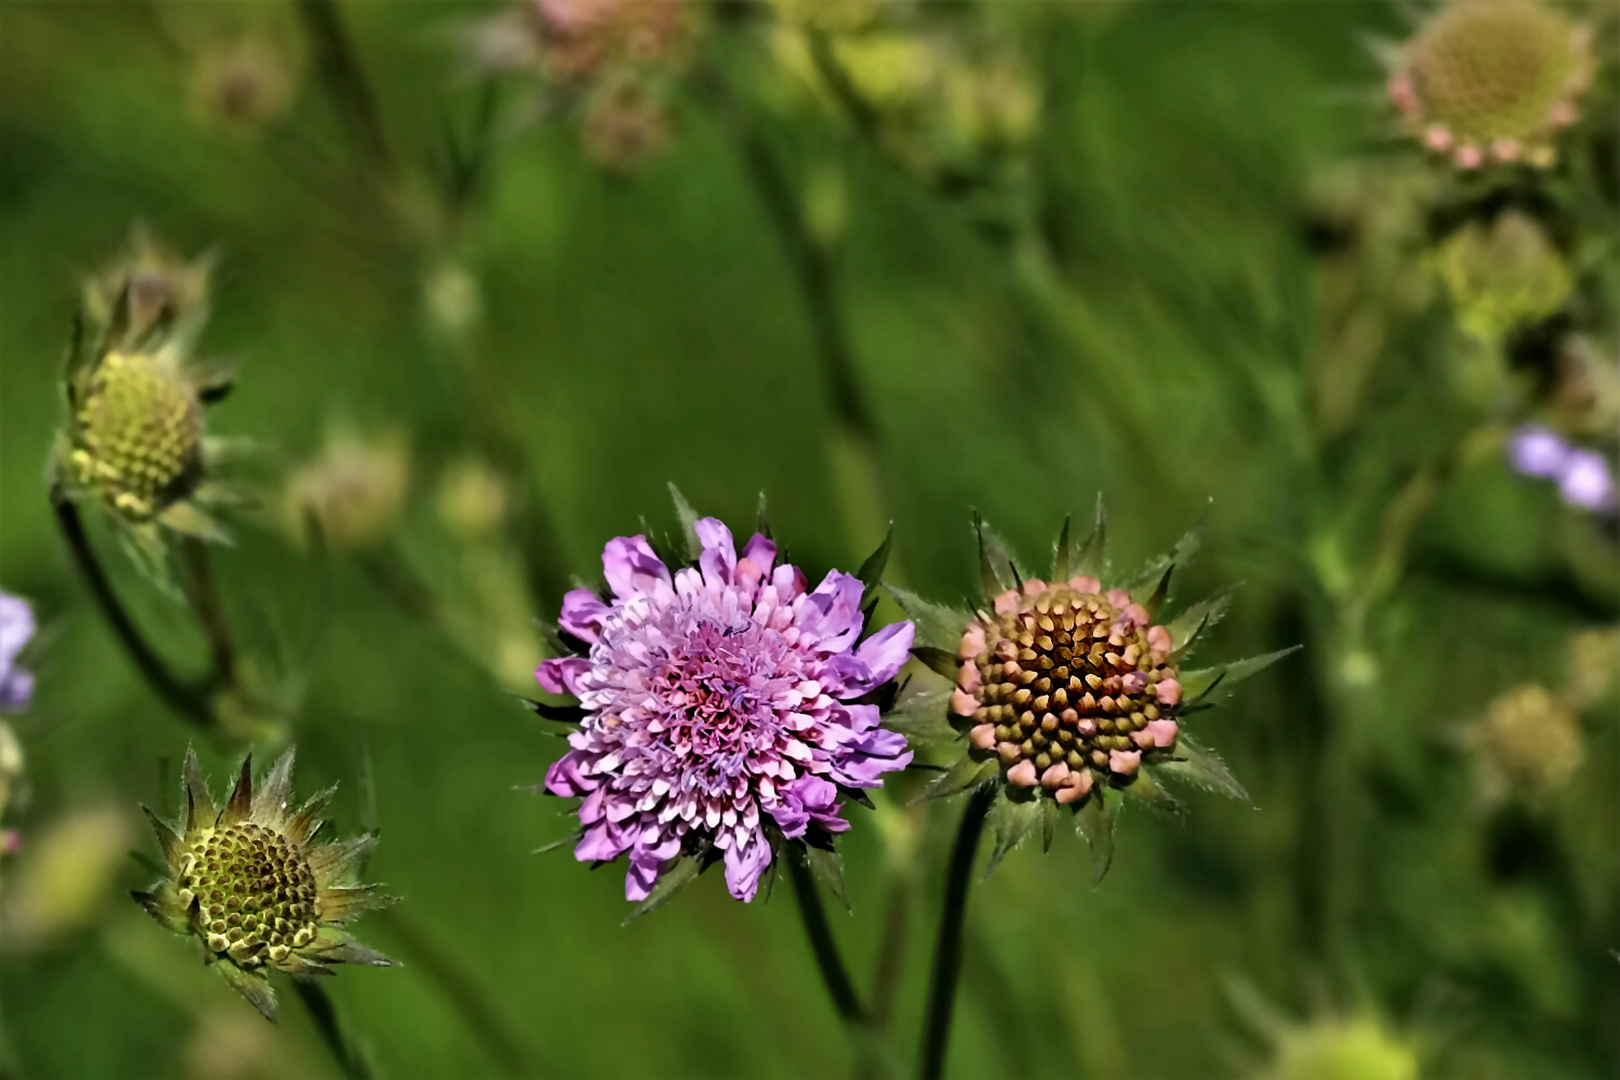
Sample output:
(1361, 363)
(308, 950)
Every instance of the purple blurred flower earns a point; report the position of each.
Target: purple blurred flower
(16, 627)
(717, 698)
(1583, 476)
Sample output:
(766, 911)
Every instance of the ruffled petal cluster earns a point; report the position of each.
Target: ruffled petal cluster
(718, 698)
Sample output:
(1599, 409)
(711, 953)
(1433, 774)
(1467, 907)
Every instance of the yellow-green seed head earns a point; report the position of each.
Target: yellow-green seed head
(356, 491)
(1344, 1050)
(138, 438)
(1494, 80)
(1526, 747)
(251, 885)
(1503, 275)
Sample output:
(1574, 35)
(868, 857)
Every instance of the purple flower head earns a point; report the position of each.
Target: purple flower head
(16, 627)
(1583, 476)
(1535, 450)
(719, 700)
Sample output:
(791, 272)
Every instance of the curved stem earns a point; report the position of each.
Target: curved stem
(188, 699)
(324, 1013)
(203, 594)
(339, 68)
(948, 947)
(833, 972)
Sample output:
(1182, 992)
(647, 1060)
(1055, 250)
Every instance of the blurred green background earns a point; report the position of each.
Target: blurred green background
(647, 328)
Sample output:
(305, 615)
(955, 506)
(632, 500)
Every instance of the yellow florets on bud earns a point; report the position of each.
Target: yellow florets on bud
(1526, 747)
(138, 435)
(1503, 275)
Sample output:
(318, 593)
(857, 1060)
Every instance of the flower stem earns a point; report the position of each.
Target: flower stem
(203, 595)
(948, 947)
(833, 972)
(345, 81)
(324, 1013)
(190, 700)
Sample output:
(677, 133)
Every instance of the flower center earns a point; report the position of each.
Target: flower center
(255, 893)
(1069, 681)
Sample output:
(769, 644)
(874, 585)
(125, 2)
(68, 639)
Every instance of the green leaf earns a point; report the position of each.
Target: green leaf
(965, 773)
(997, 571)
(942, 661)
(167, 840)
(1093, 557)
(871, 571)
(923, 719)
(1010, 821)
(1147, 791)
(938, 626)
(762, 524)
(256, 988)
(828, 869)
(1049, 819)
(1196, 684)
(1181, 555)
(681, 873)
(1096, 824)
(1186, 627)
(1200, 766)
(688, 516)
(1063, 554)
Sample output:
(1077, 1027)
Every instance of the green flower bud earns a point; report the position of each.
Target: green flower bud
(1503, 276)
(250, 884)
(1343, 1050)
(1526, 747)
(355, 490)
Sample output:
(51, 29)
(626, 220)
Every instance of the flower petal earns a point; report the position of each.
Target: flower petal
(631, 567)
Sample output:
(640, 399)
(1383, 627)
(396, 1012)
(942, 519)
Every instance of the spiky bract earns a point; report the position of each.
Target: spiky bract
(250, 883)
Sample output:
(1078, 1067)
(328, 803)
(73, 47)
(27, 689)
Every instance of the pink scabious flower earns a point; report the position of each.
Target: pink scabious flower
(723, 707)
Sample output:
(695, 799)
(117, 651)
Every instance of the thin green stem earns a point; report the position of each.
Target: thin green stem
(828, 960)
(324, 1013)
(891, 951)
(947, 970)
(203, 594)
(339, 68)
(189, 699)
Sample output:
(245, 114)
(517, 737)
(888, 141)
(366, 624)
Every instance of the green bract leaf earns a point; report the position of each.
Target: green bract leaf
(1158, 571)
(1093, 556)
(922, 719)
(254, 987)
(938, 627)
(941, 661)
(688, 516)
(1063, 554)
(1147, 791)
(680, 874)
(1186, 627)
(1199, 765)
(1049, 818)
(828, 869)
(1196, 684)
(1096, 824)
(965, 773)
(762, 524)
(1010, 821)
(871, 571)
(997, 571)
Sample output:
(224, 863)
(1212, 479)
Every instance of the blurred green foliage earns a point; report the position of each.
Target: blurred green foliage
(647, 328)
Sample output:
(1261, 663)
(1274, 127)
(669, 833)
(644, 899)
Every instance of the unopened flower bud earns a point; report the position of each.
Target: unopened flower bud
(1503, 275)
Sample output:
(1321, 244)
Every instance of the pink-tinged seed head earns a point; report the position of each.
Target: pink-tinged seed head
(1034, 587)
(1163, 733)
(1006, 601)
(1468, 157)
(1006, 650)
(1086, 725)
(1143, 738)
(1438, 138)
(1124, 762)
(983, 737)
(1402, 94)
(1562, 114)
(972, 643)
(1023, 774)
(1053, 777)
(1507, 149)
(1168, 692)
(963, 703)
(1119, 598)
(1135, 682)
(1085, 583)
(968, 677)
(1009, 752)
